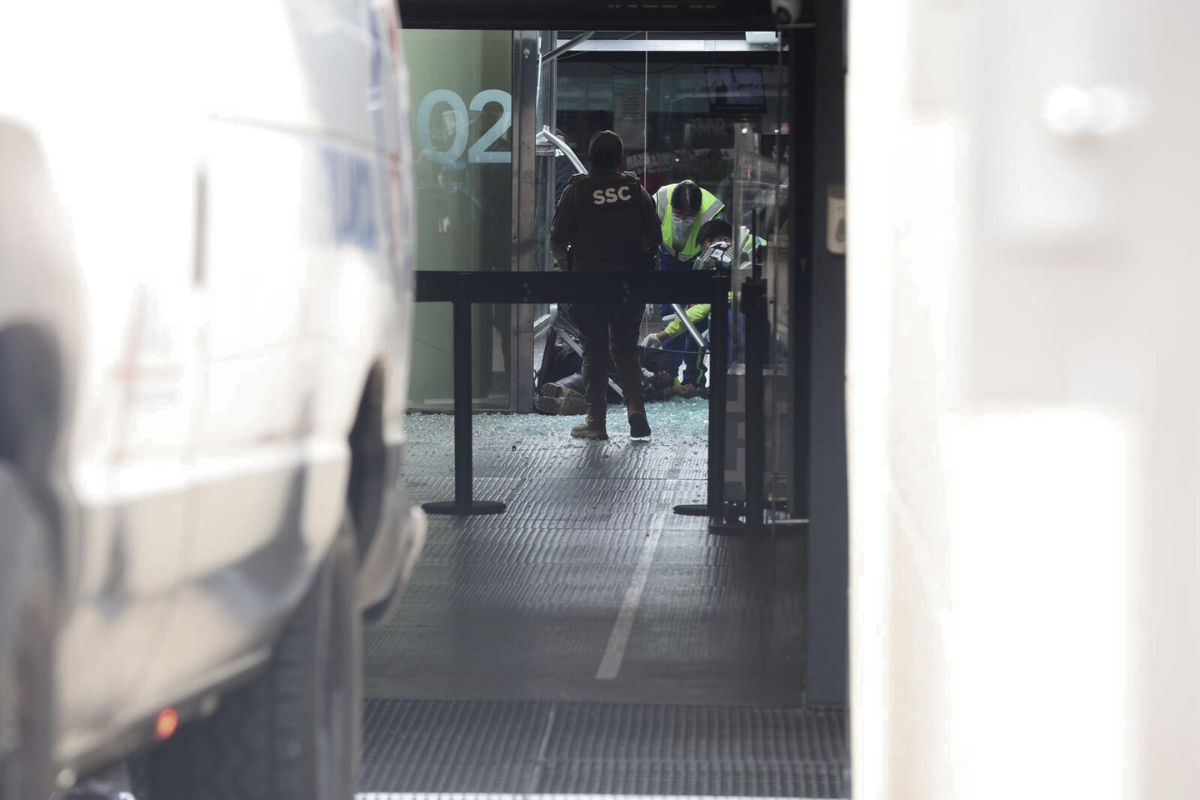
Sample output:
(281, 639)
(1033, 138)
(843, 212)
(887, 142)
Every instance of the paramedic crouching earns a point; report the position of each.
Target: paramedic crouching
(605, 222)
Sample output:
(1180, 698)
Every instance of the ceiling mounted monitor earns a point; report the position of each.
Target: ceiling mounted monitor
(736, 90)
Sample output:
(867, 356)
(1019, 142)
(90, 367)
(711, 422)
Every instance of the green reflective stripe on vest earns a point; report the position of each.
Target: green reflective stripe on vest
(710, 207)
(662, 198)
(662, 204)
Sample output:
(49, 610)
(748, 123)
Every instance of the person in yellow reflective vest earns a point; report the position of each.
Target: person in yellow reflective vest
(716, 253)
(683, 209)
(752, 243)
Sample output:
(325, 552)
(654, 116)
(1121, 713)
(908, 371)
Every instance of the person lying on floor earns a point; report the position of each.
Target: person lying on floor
(562, 392)
(565, 396)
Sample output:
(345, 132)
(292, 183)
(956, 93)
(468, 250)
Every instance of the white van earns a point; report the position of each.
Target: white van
(205, 293)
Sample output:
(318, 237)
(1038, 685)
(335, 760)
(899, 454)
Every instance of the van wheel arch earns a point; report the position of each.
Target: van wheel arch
(27, 636)
(32, 414)
(366, 488)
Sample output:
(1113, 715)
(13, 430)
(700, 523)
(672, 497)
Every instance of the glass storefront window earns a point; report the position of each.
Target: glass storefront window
(717, 121)
(460, 85)
(677, 120)
(695, 118)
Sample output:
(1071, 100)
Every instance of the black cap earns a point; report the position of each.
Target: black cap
(610, 145)
(714, 229)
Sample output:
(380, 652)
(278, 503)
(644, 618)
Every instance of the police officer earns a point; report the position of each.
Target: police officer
(605, 222)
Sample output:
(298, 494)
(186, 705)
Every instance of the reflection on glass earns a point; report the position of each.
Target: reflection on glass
(678, 120)
(718, 122)
(461, 93)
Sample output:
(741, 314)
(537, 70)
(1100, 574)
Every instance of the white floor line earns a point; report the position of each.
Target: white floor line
(610, 665)
(536, 777)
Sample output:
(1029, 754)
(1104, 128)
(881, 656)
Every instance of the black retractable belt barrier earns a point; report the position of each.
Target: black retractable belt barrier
(754, 306)
(465, 288)
(718, 348)
(754, 295)
(464, 503)
(758, 338)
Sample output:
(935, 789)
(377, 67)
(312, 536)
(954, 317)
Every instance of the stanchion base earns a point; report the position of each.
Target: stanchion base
(475, 507)
(778, 527)
(693, 510)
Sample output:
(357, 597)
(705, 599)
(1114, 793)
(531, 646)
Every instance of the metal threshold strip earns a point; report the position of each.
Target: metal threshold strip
(459, 796)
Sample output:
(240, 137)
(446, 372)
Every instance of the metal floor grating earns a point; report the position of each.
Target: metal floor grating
(588, 641)
(547, 747)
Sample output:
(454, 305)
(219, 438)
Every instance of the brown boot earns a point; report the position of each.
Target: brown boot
(592, 429)
(639, 426)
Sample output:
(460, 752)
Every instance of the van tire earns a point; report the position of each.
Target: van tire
(26, 645)
(295, 731)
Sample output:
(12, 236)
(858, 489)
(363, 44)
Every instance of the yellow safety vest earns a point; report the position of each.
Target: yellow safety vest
(710, 207)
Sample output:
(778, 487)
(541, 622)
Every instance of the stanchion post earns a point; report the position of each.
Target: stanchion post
(754, 296)
(718, 372)
(464, 503)
(464, 472)
(717, 347)
(758, 337)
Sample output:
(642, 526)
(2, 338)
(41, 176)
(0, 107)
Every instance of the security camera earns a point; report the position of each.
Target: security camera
(787, 11)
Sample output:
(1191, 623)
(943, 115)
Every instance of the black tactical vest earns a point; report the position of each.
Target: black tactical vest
(610, 212)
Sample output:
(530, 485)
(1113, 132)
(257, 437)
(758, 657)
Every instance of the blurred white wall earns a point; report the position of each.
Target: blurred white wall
(1023, 398)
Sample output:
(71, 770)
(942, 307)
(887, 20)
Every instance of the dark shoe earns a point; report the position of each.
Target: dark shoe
(639, 426)
(592, 429)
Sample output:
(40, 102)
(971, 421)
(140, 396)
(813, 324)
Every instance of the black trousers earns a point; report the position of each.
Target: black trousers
(598, 326)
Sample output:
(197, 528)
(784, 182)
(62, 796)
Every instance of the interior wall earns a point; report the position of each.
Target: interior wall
(1023, 399)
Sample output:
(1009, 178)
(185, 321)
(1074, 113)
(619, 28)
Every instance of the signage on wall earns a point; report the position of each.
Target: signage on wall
(629, 119)
(652, 163)
(707, 132)
(449, 128)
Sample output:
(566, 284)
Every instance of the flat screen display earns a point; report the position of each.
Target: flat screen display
(736, 90)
